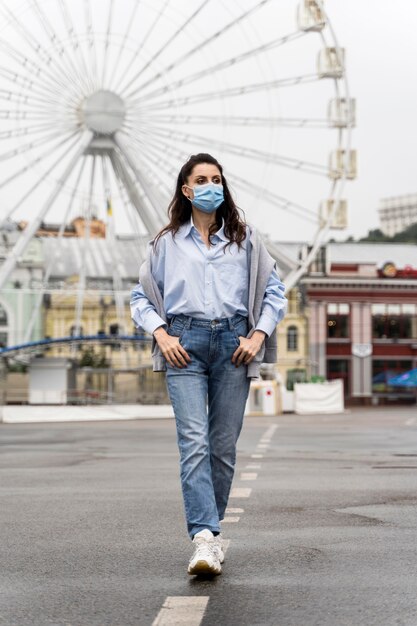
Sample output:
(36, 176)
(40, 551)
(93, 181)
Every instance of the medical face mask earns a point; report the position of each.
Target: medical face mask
(207, 197)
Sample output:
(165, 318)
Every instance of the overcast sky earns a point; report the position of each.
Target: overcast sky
(381, 43)
(381, 57)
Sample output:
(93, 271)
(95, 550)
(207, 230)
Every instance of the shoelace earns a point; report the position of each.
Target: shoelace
(205, 549)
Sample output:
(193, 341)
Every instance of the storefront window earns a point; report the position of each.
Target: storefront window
(394, 321)
(383, 370)
(338, 321)
(339, 368)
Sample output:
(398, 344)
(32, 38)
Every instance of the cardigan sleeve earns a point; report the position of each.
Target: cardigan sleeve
(143, 312)
(274, 304)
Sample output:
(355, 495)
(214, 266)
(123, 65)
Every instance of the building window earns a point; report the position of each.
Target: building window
(338, 321)
(292, 339)
(383, 370)
(394, 321)
(76, 331)
(339, 368)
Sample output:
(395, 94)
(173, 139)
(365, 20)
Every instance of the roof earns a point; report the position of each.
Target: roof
(100, 259)
(401, 254)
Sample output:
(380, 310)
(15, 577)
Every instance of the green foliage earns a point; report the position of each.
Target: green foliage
(90, 359)
(408, 235)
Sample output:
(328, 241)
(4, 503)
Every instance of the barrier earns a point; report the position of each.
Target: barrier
(264, 398)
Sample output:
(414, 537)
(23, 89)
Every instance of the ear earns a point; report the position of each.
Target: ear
(184, 189)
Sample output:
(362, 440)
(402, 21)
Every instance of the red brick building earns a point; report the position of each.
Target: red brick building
(362, 301)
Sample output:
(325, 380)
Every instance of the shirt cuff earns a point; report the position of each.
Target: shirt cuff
(267, 324)
(153, 321)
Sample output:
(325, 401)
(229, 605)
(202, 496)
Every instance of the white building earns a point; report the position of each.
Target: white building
(397, 213)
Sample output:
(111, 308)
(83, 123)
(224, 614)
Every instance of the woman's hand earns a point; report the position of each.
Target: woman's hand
(171, 348)
(248, 348)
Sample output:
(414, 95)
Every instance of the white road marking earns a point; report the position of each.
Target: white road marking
(182, 611)
(253, 466)
(256, 456)
(240, 492)
(262, 446)
(231, 510)
(270, 431)
(248, 476)
(265, 440)
(411, 421)
(226, 544)
(230, 520)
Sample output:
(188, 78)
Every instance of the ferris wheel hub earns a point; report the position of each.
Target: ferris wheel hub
(103, 112)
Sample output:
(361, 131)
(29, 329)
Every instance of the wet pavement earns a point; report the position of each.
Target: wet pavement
(322, 525)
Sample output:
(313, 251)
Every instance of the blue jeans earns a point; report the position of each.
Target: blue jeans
(208, 397)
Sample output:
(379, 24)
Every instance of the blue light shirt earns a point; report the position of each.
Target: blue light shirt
(204, 283)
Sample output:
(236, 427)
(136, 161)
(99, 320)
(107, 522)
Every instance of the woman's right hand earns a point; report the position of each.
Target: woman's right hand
(171, 348)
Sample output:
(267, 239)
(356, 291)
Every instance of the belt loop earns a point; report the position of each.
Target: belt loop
(188, 322)
(231, 326)
(172, 320)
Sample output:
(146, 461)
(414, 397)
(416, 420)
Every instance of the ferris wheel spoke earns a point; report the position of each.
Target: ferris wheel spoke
(62, 52)
(154, 173)
(19, 248)
(124, 40)
(91, 41)
(28, 85)
(41, 52)
(51, 263)
(232, 61)
(25, 131)
(243, 151)
(21, 98)
(143, 41)
(31, 145)
(132, 216)
(39, 181)
(275, 199)
(107, 43)
(35, 69)
(76, 44)
(82, 269)
(233, 92)
(155, 197)
(237, 120)
(137, 199)
(165, 46)
(190, 53)
(38, 160)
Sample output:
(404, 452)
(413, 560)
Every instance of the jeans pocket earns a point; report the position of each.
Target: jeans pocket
(176, 330)
(240, 329)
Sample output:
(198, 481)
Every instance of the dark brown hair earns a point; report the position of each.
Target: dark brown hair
(179, 209)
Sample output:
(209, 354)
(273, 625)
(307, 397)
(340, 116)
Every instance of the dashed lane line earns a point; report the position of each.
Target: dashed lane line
(411, 421)
(230, 520)
(234, 510)
(248, 476)
(256, 456)
(182, 611)
(253, 466)
(240, 492)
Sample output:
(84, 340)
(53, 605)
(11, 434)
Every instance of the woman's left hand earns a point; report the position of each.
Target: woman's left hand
(248, 348)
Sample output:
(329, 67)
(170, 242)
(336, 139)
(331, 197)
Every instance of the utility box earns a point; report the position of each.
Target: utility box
(264, 398)
(51, 379)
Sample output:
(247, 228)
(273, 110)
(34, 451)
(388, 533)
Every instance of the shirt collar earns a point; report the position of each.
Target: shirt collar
(188, 226)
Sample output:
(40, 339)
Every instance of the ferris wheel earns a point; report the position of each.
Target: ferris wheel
(102, 102)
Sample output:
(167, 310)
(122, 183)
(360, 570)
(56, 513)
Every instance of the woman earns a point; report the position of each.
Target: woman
(210, 295)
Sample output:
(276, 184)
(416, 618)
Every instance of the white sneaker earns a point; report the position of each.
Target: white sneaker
(205, 559)
(219, 547)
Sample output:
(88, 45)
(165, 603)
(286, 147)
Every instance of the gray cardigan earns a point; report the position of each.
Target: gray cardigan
(261, 266)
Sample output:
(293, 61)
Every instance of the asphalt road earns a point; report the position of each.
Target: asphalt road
(93, 533)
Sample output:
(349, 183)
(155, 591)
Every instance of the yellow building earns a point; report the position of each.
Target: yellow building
(293, 361)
